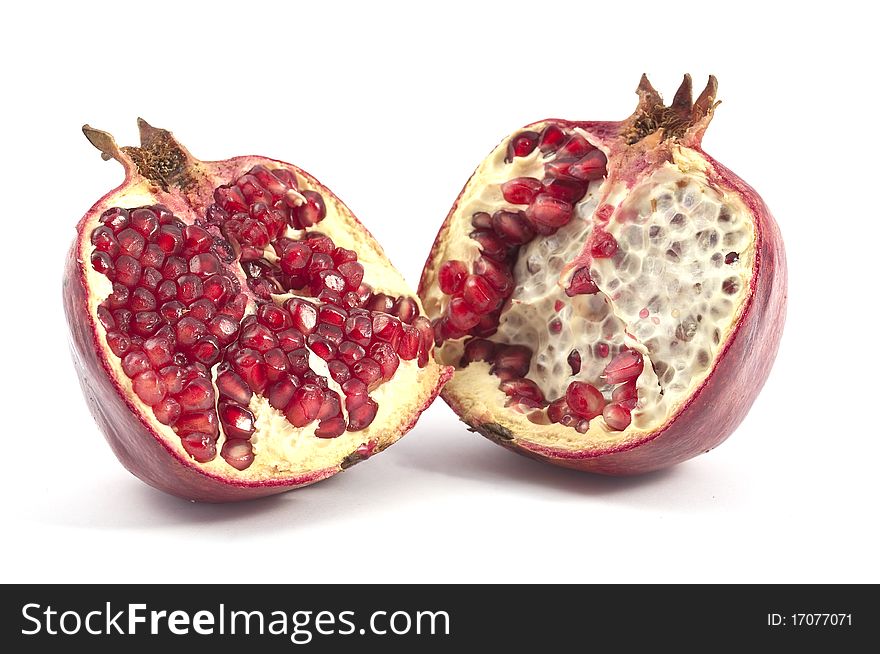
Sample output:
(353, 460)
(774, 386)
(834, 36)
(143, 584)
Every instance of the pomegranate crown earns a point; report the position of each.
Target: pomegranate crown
(683, 120)
(161, 159)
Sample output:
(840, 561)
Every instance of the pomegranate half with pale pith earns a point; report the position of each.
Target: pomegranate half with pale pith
(612, 298)
(237, 332)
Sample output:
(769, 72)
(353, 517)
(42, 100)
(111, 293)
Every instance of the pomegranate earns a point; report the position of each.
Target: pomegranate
(236, 330)
(611, 297)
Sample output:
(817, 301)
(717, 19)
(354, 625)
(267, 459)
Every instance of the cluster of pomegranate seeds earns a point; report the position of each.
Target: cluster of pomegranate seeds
(362, 349)
(582, 401)
(478, 295)
(172, 309)
(177, 310)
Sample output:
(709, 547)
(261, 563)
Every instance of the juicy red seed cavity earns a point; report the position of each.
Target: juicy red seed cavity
(131, 242)
(574, 361)
(625, 366)
(198, 395)
(281, 392)
(167, 411)
(521, 190)
(183, 307)
(166, 291)
(135, 363)
(201, 447)
(273, 317)
(408, 347)
(359, 329)
(368, 371)
(127, 269)
(617, 416)
(115, 218)
(406, 309)
(478, 349)
(512, 361)
(462, 315)
(303, 315)
(350, 353)
(626, 394)
(522, 145)
(238, 453)
(581, 283)
(237, 421)
(479, 294)
(202, 422)
(523, 391)
(584, 399)
(496, 273)
(338, 371)
(204, 265)
(104, 240)
(152, 257)
(575, 148)
(331, 427)
(566, 188)
(321, 346)
(353, 273)
(490, 244)
(387, 328)
(547, 212)
(305, 405)
(170, 239)
(481, 220)
(144, 221)
(311, 212)
(149, 387)
(385, 356)
(590, 168)
(118, 342)
(361, 412)
(451, 276)
(604, 245)
(512, 227)
(196, 240)
(551, 138)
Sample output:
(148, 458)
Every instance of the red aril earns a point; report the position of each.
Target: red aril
(202, 298)
(639, 290)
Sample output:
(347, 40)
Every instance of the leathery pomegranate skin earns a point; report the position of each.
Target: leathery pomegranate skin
(612, 297)
(236, 331)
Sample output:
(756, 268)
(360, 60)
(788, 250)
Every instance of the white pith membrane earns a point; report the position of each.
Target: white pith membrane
(280, 449)
(667, 293)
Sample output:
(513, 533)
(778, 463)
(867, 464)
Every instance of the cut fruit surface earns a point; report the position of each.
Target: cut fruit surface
(215, 308)
(624, 306)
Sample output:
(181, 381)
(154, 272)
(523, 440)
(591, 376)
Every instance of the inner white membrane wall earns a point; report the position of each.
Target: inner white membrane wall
(673, 290)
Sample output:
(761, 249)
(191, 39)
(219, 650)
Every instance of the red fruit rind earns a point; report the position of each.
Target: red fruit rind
(691, 276)
(163, 172)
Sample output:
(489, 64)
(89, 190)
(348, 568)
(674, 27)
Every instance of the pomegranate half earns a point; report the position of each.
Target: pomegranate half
(237, 332)
(611, 297)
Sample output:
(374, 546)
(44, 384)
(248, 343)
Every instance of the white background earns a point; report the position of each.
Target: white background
(393, 106)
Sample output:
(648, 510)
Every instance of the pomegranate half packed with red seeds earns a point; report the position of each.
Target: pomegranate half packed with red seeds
(611, 297)
(237, 331)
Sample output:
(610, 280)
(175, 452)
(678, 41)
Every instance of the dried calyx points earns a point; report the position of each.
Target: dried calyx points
(246, 319)
(673, 121)
(596, 283)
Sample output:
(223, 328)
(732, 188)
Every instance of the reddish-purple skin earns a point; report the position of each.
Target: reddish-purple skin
(142, 451)
(717, 406)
